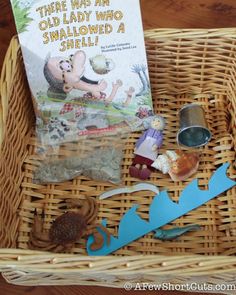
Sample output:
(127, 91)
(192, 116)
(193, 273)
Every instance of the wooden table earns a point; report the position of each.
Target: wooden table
(156, 13)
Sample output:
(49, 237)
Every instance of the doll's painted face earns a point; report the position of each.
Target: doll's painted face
(158, 123)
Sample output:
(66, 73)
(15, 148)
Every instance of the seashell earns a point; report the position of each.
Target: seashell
(185, 166)
(162, 163)
(173, 156)
(179, 165)
(101, 65)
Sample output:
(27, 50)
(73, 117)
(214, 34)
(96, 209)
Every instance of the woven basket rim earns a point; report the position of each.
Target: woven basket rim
(30, 260)
(193, 32)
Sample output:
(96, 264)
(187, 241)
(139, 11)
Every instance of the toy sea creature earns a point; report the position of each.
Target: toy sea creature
(102, 65)
(179, 165)
(163, 211)
(146, 149)
(173, 233)
(130, 189)
(69, 228)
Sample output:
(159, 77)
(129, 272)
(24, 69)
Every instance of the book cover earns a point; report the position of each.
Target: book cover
(86, 65)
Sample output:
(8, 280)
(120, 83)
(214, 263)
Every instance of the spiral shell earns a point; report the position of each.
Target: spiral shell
(162, 163)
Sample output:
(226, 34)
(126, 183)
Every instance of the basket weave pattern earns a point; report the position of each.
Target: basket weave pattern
(185, 66)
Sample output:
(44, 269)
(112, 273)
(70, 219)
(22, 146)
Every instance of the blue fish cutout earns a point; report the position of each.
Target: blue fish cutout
(173, 233)
(163, 211)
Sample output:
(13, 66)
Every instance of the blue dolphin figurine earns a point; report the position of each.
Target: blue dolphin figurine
(173, 233)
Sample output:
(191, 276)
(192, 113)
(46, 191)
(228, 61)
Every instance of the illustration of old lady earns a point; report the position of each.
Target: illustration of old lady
(64, 75)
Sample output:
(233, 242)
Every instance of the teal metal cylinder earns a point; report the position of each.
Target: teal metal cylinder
(193, 130)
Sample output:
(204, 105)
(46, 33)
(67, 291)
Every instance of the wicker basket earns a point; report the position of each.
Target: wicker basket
(185, 66)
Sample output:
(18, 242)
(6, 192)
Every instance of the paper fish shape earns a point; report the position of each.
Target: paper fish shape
(163, 211)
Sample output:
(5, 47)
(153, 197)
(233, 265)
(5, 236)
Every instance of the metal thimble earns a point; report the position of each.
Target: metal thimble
(193, 126)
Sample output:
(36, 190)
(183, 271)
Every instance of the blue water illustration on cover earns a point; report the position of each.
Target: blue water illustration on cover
(163, 211)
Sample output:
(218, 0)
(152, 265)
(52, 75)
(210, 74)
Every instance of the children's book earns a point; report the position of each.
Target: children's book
(86, 65)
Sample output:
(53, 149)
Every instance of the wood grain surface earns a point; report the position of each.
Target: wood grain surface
(7, 289)
(156, 13)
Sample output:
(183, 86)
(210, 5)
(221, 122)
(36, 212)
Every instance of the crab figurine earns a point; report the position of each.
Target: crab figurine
(67, 229)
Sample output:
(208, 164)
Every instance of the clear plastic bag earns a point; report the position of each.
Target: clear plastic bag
(98, 158)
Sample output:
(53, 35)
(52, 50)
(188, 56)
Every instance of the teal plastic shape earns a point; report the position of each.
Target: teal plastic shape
(163, 211)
